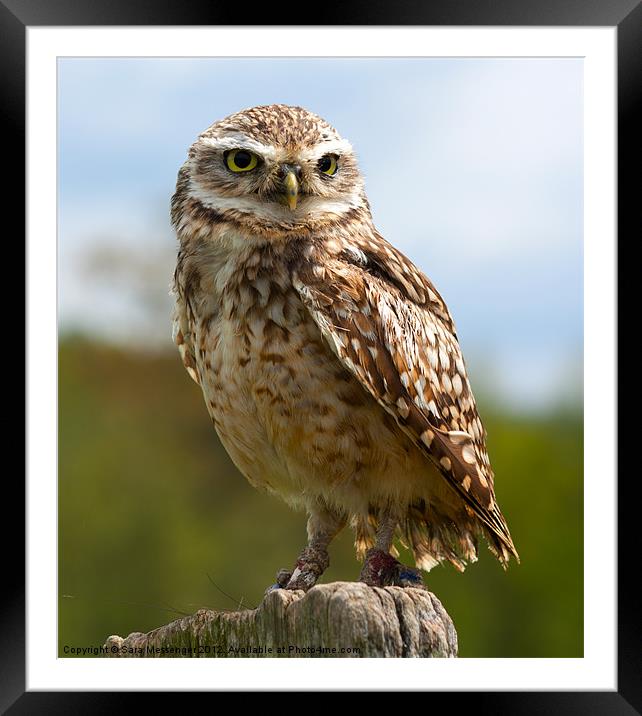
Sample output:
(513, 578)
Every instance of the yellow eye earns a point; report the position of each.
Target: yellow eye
(240, 160)
(328, 164)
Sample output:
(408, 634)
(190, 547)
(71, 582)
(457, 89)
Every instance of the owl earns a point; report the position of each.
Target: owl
(329, 362)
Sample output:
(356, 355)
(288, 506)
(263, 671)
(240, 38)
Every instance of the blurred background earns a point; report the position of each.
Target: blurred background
(473, 169)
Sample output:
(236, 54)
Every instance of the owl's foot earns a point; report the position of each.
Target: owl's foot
(381, 569)
(311, 564)
(282, 579)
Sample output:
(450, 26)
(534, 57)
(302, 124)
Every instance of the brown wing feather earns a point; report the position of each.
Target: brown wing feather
(183, 321)
(389, 326)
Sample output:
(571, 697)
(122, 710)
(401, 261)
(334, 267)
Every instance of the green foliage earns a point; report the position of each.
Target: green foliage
(151, 510)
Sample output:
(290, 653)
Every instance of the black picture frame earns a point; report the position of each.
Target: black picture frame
(17, 15)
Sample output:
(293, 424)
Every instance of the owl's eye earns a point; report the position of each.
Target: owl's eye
(240, 160)
(328, 164)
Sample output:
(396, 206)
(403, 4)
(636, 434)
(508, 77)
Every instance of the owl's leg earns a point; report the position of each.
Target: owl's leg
(380, 568)
(323, 526)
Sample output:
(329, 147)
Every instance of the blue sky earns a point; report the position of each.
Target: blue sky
(473, 168)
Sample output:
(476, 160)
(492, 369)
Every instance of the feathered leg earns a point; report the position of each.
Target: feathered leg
(323, 526)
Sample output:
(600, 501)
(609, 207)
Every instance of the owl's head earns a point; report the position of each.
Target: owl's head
(271, 169)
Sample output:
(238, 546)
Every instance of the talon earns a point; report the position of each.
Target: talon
(381, 569)
(303, 578)
(272, 588)
(311, 564)
(283, 576)
(408, 577)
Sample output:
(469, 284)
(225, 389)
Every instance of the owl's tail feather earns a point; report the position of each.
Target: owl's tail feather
(434, 538)
(502, 547)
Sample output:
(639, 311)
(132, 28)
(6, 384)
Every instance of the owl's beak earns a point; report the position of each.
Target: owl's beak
(291, 189)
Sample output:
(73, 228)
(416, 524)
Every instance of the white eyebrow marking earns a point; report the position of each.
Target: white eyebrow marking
(328, 146)
(240, 141)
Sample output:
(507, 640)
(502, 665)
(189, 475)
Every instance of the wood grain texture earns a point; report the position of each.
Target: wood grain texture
(342, 619)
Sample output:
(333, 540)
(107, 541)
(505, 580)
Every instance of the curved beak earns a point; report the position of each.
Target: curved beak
(291, 188)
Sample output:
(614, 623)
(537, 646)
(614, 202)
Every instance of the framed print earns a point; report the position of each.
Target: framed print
(477, 146)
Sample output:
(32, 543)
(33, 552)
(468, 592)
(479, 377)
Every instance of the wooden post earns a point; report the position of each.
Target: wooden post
(342, 619)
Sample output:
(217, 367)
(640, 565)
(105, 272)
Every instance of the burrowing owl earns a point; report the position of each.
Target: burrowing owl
(328, 361)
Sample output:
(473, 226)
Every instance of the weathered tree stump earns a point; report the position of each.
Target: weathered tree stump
(342, 619)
